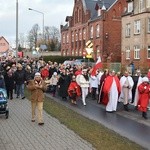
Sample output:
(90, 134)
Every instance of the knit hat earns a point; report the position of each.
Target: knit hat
(37, 74)
(55, 73)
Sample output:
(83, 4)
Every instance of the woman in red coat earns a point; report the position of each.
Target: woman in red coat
(74, 90)
(144, 95)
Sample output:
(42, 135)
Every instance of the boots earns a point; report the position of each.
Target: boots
(126, 107)
(144, 115)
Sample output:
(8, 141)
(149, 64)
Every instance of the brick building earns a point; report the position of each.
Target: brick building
(4, 45)
(98, 21)
(136, 34)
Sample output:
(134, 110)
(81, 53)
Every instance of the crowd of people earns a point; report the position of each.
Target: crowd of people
(72, 82)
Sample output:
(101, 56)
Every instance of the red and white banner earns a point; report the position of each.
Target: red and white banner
(97, 66)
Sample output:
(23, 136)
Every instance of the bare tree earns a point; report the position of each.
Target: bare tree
(22, 40)
(52, 38)
(33, 36)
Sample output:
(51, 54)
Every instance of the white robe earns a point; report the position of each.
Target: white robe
(136, 98)
(122, 82)
(113, 97)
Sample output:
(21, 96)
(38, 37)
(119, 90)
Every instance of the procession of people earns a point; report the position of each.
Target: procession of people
(75, 83)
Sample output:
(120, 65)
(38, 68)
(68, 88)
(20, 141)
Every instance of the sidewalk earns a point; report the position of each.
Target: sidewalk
(19, 133)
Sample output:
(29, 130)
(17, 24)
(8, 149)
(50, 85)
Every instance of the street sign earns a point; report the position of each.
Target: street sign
(88, 56)
(89, 44)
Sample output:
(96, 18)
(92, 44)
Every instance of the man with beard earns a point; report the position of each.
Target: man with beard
(127, 83)
(111, 91)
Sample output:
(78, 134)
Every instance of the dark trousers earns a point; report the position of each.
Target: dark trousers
(9, 93)
(94, 93)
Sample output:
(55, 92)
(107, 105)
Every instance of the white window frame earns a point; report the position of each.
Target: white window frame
(130, 7)
(148, 25)
(141, 5)
(148, 3)
(99, 12)
(64, 38)
(72, 37)
(91, 32)
(76, 36)
(97, 30)
(136, 52)
(80, 35)
(84, 34)
(128, 30)
(128, 53)
(67, 38)
(137, 27)
(148, 52)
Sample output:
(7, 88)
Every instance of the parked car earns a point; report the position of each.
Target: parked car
(68, 62)
(85, 61)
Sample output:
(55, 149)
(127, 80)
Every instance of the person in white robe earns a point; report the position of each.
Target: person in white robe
(137, 79)
(127, 83)
(111, 90)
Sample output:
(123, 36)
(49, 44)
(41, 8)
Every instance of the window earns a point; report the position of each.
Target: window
(80, 35)
(130, 7)
(99, 12)
(78, 15)
(67, 38)
(148, 3)
(97, 30)
(72, 37)
(128, 52)
(148, 52)
(76, 36)
(128, 30)
(63, 38)
(91, 32)
(149, 25)
(136, 52)
(114, 13)
(137, 27)
(141, 5)
(84, 34)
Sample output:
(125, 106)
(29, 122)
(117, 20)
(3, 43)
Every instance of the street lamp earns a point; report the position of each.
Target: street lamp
(16, 31)
(42, 20)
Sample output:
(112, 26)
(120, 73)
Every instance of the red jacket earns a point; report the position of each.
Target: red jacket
(144, 95)
(74, 88)
(44, 73)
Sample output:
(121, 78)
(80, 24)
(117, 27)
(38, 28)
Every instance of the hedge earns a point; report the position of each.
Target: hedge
(60, 59)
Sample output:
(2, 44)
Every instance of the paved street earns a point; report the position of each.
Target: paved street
(19, 133)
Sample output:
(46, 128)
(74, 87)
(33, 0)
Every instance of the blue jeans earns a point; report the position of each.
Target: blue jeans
(20, 90)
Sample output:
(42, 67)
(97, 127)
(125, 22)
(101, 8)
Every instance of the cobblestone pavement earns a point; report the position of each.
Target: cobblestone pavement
(19, 133)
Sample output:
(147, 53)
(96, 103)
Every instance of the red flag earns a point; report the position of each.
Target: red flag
(96, 66)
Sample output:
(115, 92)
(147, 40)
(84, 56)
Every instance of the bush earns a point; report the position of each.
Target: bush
(60, 59)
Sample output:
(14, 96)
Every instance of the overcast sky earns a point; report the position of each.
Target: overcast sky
(55, 12)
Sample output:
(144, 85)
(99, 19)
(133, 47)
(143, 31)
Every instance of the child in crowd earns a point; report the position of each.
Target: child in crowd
(74, 90)
(52, 83)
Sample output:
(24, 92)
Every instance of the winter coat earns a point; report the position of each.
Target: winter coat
(63, 82)
(19, 77)
(9, 81)
(37, 94)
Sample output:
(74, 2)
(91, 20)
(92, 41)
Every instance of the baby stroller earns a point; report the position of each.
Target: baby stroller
(3, 103)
